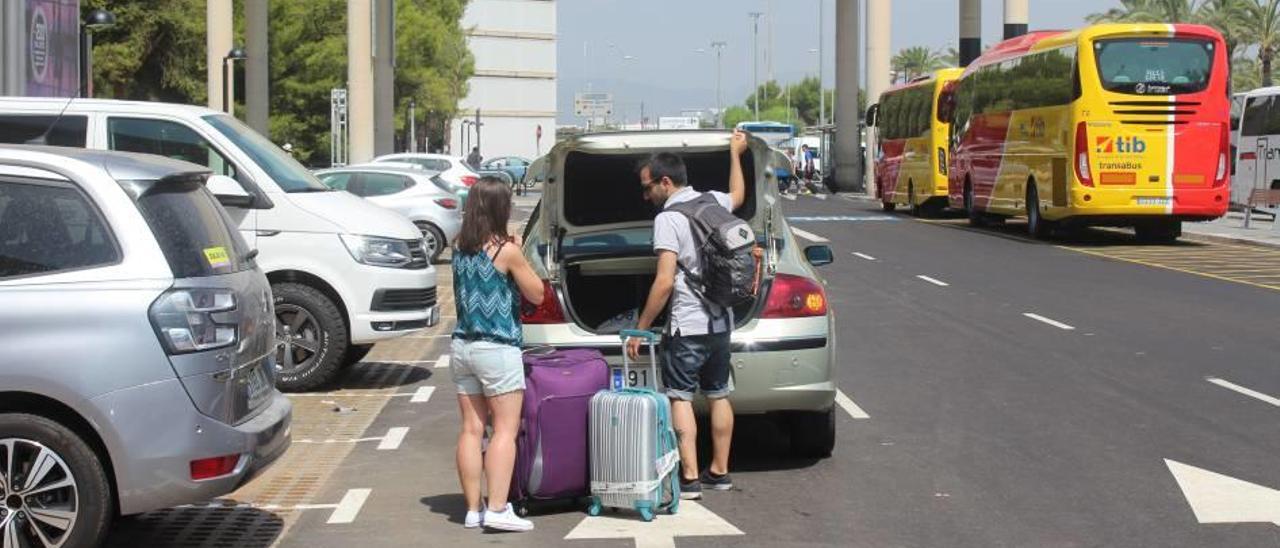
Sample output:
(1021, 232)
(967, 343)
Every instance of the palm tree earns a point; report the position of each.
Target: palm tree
(1261, 27)
(949, 57)
(1134, 11)
(1228, 17)
(915, 61)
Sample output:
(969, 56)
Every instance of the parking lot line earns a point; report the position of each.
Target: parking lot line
(1242, 390)
(864, 256)
(350, 505)
(1043, 319)
(423, 394)
(849, 407)
(393, 439)
(933, 281)
(443, 362)
(809, 235)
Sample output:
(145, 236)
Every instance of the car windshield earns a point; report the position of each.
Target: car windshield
(281, 167)
(1152, 66)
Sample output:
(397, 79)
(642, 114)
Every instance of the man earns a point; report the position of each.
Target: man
(474, 158)
(696, 346)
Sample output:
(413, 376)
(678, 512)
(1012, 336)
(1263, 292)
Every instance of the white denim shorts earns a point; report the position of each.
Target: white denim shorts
(482, 367)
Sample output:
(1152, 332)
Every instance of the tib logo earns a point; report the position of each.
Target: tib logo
(1121, 144)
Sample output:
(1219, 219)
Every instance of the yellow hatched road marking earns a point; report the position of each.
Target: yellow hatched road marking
(1216, 274)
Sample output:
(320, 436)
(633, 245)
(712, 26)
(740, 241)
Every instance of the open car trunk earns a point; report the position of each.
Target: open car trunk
(606, 257)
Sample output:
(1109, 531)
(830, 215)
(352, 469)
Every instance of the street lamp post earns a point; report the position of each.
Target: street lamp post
(822, 92)
(96, 20)
(413, 126)
(719, 47)
(755, 57)
(235, 54)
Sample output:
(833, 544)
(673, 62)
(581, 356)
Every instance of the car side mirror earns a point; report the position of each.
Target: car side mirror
(229, 192)
(819, 255)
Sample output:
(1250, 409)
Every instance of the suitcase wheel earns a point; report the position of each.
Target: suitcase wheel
(646, 514)
(593, 509)
(522, 509)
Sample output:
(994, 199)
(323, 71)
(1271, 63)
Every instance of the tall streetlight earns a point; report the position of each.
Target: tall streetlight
(822, 91)
(96, 20)
(236, 54)
(755, 56)
(719, 47)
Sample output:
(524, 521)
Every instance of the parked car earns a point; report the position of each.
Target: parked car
(137, 344)
(451, 168)
(344, 272)
(514, 165)
(420, 195)
(591, 240)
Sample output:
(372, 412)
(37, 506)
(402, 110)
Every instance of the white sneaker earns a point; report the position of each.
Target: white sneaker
(475, 518)
(506, 520)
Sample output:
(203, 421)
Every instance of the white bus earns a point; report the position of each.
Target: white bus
(771, 132)
(1257, 144)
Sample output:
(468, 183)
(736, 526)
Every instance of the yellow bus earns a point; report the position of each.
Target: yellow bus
(911, 147)
(1110, 125)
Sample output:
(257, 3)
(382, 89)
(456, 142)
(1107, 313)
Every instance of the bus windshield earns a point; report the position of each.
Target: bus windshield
(1154, 66)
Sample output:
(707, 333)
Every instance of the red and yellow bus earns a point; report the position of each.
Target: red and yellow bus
(1111, 125)
(911, 154)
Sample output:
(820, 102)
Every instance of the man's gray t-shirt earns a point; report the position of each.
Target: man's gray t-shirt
(671, 232)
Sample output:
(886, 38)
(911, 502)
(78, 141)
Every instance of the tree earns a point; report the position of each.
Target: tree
(915, 61)
(155, 51)
(1262, 28)
(1137, 11)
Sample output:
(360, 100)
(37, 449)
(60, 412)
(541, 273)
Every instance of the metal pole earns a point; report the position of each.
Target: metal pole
(848, 153)
(226, 100)
(822, 57)
(413, 126)
(86, 61)
(755, 57)
(1015, 18)
(970, 31)
(719, 47)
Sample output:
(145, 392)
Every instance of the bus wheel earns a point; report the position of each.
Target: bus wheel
(976, 218)
(888, 206)
(1161, 232)
(911, 199)
(1037, 227)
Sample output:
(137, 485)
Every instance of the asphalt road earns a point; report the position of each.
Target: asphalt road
(1016, 393)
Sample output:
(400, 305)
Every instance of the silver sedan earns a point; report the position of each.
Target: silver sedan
(420, 195)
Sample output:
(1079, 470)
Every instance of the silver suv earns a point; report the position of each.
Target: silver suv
(591, 239)
(137, 344)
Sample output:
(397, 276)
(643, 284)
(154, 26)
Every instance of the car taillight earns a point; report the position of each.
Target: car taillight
(213, 467)
(1082, 155)
(193, 320)
(1224, 163)
(547, 312)
(795, 297)
(447, 203)
(470, 180)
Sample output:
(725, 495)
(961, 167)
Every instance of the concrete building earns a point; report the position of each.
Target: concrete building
(514, 86)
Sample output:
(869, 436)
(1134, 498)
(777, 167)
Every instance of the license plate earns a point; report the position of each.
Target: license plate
(635, 378)
(259, 387)
(1153, 200)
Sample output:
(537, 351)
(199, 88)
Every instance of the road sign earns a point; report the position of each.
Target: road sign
(588, 105)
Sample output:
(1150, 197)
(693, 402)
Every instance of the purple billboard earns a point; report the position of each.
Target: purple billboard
(53, 48)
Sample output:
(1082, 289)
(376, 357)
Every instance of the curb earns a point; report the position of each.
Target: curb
(1221, 239)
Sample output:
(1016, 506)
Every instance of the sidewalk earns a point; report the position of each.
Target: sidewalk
(1230, 229)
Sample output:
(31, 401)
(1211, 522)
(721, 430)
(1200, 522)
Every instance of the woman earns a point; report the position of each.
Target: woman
(489, 275)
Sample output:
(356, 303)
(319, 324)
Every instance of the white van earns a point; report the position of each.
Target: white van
(344, 272)
(1257, 144)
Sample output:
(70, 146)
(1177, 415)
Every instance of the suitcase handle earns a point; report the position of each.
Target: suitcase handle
(652, 339)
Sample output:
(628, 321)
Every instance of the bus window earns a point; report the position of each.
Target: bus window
(1154, 66)
(1256, 113)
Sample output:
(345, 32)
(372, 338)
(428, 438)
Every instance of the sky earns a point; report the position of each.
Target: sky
(646, 51)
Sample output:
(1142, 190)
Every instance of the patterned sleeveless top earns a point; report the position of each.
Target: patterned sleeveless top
(486, 301)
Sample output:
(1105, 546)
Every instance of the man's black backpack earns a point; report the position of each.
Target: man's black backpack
(725, 244)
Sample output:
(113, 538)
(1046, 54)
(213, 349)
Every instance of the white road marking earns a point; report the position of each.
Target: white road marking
(393, 439)
(332, 440)
(849, 407)
(820, 196)
(1043, 319)
(693, 520)
(443, 362)
(933, 281)
(401, 362)
(791, 197)
(416, 336)
(423, 394)
(350, 505)
(864, 256)
(1251, 393)
(1217, 498)
(808, 235)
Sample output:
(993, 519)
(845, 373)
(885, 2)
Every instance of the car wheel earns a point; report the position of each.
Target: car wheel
(813, 434)
(1037, 226)
(355, 353)
(312, 337)
(54, 487)
(432, 240)
(1164, 232)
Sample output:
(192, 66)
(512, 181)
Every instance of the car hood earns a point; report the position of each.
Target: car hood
(355, 215)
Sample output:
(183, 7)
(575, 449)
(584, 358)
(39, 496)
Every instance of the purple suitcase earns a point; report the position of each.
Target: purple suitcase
(551, 448)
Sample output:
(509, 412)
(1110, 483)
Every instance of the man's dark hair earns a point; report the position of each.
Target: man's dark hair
(665, 164)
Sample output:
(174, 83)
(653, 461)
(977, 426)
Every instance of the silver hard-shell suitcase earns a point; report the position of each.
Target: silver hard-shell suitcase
(633, 447)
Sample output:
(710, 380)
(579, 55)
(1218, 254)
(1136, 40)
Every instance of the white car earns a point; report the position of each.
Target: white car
(418, 194)
(451, 168)
(344, 272)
